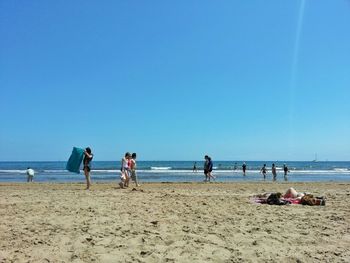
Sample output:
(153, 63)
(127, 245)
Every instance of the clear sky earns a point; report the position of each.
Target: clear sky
(174, 80)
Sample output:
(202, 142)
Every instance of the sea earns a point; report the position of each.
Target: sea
(179, 171)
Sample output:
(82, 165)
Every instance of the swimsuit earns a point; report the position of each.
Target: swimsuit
(86, 163)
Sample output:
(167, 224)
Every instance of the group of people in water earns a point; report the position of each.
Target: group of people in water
(263, 171)
(208, 168)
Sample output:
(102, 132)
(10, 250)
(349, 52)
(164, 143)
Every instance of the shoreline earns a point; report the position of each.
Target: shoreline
(116, 181)
(171, 222)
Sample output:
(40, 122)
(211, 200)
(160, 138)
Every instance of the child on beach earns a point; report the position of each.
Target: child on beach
(133, 169)
(125, 169)
(195, 167)
(87, 168)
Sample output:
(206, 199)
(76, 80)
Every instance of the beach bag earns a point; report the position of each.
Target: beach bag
(75, 159)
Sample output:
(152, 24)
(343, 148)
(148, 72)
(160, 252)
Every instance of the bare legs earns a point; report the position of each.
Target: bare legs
(88, 179)
(208, 175)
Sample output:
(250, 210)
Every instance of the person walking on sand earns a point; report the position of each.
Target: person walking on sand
(274, 172)
(125, 169)
(210, 169)
(87, 166)
(206, 168)
(263, 171)
(30, 174)
(133, 169)
(244, 168)
(195, 167)
(285, 170)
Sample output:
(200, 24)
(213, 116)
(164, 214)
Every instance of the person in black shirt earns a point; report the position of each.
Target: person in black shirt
(205, 168)
(285, 169)
(244, 168)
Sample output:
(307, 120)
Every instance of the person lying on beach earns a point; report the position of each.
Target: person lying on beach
(305, 198)
(275, 199)
(290, 197)
(292, 193)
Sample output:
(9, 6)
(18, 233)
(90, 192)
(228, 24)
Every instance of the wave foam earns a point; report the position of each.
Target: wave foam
(160, 168)
(14, 171)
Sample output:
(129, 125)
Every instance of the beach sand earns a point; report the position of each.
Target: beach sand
(171, 222)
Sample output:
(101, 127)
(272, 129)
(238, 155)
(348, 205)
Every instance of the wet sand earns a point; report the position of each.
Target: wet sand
(171, 222)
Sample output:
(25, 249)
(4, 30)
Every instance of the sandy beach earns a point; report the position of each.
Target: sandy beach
(171, 222)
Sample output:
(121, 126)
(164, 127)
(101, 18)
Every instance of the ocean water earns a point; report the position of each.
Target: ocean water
(178, 171)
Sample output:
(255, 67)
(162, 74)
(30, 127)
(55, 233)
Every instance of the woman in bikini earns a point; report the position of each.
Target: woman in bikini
(87, 166)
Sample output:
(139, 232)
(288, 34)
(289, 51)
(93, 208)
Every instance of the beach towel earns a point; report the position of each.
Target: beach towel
(263, 199)
(75, 159)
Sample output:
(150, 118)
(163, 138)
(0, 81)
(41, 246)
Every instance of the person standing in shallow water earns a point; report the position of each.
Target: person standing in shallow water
(285, 170)
(87, 166)
(263, 171)
(195, 167)
(205, 168)
(30, 174)
(274, 172)
(244, 168)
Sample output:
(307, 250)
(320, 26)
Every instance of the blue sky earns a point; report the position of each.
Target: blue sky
(174, 80)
